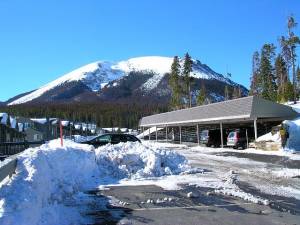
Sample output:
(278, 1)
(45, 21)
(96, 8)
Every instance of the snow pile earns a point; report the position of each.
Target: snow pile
(45, 177)
(136, 161)
(270, 137)
(293, 142)
(49, 177)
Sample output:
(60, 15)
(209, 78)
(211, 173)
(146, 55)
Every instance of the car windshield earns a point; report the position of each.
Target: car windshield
(104, 138)
(231, 135)
(131, 138)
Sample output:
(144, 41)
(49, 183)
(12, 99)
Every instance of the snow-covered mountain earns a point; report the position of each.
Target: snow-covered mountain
(94, 80)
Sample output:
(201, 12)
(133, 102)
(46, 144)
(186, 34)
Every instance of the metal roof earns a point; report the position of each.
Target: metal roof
(241, 109)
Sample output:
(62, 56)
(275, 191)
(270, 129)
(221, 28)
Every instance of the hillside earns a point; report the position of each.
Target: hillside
(136, 79)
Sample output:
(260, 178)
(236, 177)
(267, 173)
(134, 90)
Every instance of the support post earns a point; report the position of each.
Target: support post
(149, 133)
(180, 134)
(143, 133)
(70, 130)
(198, 137)
(156, 133)
(221, 130)
(255, 128)
(247, 138)
(61, 134)
(166, 133)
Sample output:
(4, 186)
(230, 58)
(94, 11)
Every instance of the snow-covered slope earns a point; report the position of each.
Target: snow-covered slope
(96, 75)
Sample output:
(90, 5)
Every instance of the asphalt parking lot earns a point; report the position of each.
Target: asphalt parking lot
(152, 205)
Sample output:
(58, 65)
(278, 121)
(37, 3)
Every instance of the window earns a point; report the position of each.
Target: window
(131, 138)
(231, 135)
(115, 139)
(104, 138)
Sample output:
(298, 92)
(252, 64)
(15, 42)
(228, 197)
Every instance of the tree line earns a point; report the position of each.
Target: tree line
(104, 114)
(274, 74)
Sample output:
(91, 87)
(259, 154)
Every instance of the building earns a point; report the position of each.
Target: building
(251, 112)
(40, 129)
(10, 129)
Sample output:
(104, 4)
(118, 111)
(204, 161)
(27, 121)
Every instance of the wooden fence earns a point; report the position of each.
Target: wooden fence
(12, 148)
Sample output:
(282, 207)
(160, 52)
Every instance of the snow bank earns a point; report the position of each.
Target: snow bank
(50, 176)
(293, 142)
(135, 161)
(45, 177)
(270, 137)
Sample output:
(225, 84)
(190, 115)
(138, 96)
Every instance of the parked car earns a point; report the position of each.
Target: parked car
(212, 138)
(238, 138)
(111, 139)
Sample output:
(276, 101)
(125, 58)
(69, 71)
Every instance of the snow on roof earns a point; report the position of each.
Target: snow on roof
(4, 117)
(124, 129)
(65, 123)
(54, 121)
(77, 126)
(39, 120)
(295, 107)
(20, 126)
(13, 122)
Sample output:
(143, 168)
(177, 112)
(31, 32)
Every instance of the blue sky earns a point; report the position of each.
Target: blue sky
(42, 40)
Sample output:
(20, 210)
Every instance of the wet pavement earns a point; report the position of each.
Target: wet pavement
(274, 159)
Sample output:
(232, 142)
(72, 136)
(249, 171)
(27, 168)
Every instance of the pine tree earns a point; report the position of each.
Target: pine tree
(174, 84)
(298, 80)
(254, 90)
(266, 79)
(226, 93)
(237, 93)
(202, 95)
(288, 45)
(187, 69)
(289, 91)
(281, 75)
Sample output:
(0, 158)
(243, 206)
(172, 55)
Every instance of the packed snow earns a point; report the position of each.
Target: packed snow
(293, 142)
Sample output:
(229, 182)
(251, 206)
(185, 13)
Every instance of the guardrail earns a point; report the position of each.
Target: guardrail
(8, 167)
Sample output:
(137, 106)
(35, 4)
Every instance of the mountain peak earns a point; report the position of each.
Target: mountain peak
(96, 75)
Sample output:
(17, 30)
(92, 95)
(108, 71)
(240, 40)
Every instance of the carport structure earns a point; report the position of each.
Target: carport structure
(248, 111)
